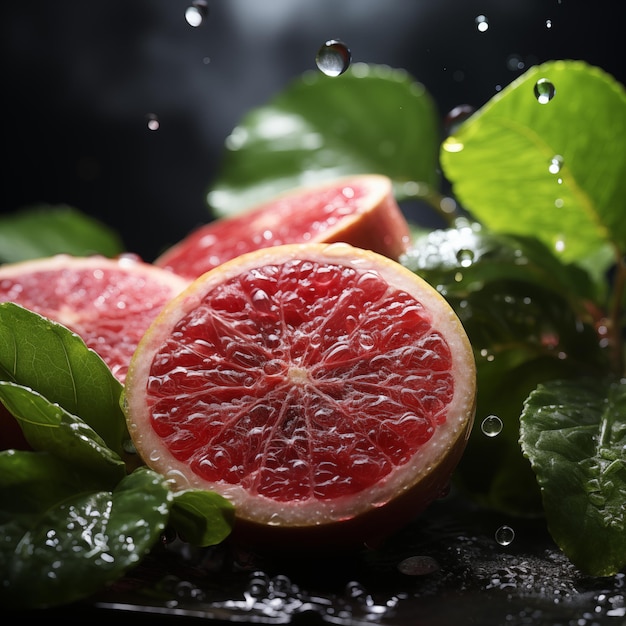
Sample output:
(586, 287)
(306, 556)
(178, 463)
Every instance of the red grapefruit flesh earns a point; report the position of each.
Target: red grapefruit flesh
(327, 391)
(109, 303)
(360, 210)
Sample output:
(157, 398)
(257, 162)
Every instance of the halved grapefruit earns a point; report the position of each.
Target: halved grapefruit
(326, 390)
(360, 210)
(109, 303)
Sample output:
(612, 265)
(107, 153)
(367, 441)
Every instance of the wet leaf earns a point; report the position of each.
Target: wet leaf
(500, 160)
(574, 433)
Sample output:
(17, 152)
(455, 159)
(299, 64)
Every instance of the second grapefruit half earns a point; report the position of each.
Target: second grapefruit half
(324, 389)
(360, 210)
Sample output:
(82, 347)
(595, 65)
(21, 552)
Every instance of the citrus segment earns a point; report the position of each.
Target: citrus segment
(359, 210)
(109, 303)
(311, 384)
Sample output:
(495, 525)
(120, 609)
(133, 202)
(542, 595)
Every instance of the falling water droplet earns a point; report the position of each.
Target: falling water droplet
(556, 163)
(456, 117)
(544, 91)
(548, 23)
(482, 23)
(491, 426)
(196, 13)
(465, 257)
(505, 535)
(153, 121)
(333, 58)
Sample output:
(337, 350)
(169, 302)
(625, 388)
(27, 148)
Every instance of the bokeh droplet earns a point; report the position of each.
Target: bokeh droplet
(153, 121)
(544, 91)
(491, 426)
(505, 535)
(482, 23)
(196, 13)
(333, 58)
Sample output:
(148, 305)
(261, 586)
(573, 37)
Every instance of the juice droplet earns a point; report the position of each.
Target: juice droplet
(491, 426)
(544, 91)
(196, 13)
(482, 23)
(333, 58)
(505, 535)
(153, 121)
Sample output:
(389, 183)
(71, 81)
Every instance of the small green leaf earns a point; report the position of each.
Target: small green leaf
(202, 518)
(41, 231)
(372, 119)
(499, 160)
(574, 433)
(41, 354)
(48, 426)
(69, 550)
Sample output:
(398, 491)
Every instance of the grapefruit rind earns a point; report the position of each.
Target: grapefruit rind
(360, 210)
(402, 494)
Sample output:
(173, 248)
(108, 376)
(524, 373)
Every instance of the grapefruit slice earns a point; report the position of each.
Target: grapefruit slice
(326, 390)
(360, 210)
(109, 303)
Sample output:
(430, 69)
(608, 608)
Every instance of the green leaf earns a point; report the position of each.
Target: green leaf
(45, 356)
(574, 433)
(42, 230)
(69, 550)
(498, 161)
(49, 427)
(372, 119)
(202, 518)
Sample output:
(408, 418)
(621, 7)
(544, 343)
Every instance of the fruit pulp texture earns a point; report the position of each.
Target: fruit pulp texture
(110, 310)
(300, 381)
(287, 220)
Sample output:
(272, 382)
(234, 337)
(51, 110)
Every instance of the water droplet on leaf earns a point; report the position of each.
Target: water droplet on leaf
(556, 163)
(333, 58)
(544, 91)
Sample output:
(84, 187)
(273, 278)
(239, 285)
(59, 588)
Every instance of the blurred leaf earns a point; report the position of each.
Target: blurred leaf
(574, 433)
(41, 354)
(202, 518)
(43, 230)
(498, 161)
(372, 119)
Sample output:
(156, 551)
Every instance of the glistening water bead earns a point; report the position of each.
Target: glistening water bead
(491, 426)
(333, 58)
(544, 91)
(505, 535)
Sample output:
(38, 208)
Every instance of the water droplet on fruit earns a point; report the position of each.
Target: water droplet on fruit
(505, 535)
(333, 58)
(418, 566)
(196, 13)
(482, 23)
(152, 121)
(556, 163)
(491, 426)
(465, 257)
(544, 91)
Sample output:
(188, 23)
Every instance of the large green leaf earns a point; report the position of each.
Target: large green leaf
(68, 548)
(43, 230)
(41, 354)
(574, 433)
(372, 119)
(499, 160)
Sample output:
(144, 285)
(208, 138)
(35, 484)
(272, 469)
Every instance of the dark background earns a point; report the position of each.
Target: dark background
(80, 77)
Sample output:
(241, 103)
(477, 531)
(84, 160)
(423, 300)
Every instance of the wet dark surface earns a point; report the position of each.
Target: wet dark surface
(446, 568)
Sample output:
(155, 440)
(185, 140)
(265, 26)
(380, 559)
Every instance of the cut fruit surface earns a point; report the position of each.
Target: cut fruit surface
(109, 303)
(319, 387)
(359, 210)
